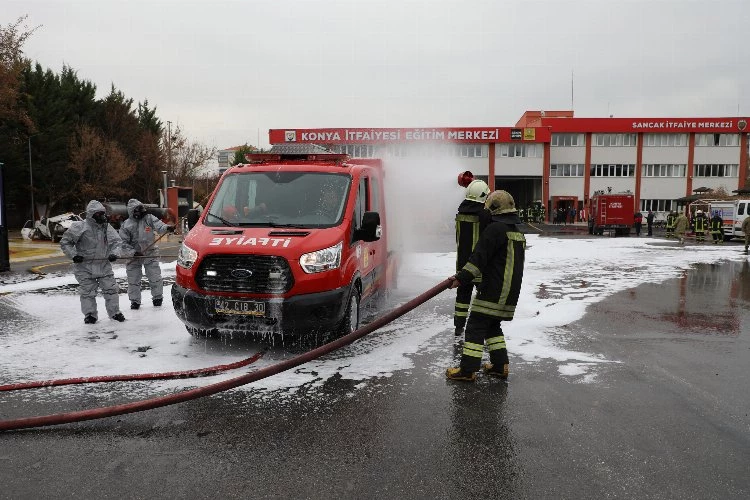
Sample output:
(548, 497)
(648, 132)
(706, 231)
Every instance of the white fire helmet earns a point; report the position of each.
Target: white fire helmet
(477, 191)
(500, 202)
(699, 212)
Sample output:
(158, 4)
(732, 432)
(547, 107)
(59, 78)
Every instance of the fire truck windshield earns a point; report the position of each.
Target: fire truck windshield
(280, 198)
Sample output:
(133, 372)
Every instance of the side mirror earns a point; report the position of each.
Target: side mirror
(371, 229)
(192, 217)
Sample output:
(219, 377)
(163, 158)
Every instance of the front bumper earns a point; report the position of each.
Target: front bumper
(314, 312)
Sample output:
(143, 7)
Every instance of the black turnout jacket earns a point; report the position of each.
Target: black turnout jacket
(499, 258)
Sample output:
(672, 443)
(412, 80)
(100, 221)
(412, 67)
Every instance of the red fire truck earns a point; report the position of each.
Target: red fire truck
(288, 244)
(612, 212)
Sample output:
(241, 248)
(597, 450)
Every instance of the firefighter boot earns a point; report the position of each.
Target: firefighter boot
(134, 305)
(118, 317)
(157, 302)
(89, 319)
(490, 370)
(458, 374)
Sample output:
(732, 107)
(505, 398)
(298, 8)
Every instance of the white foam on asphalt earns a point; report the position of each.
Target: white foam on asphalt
(562, 277)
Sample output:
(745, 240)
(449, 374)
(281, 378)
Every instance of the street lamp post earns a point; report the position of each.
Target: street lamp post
(4, 248)
(31, 183)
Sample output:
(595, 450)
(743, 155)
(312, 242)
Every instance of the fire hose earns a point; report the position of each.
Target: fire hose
(200, 372)
(180, 397)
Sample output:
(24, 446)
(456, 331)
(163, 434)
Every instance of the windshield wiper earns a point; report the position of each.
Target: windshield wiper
(222, 219)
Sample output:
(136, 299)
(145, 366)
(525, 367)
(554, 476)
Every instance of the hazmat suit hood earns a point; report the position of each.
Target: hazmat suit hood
(93, 207)
(132, 204)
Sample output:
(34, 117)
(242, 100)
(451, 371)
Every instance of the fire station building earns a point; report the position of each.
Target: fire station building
(560, 160)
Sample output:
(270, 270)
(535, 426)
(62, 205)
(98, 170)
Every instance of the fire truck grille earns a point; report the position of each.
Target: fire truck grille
(245, 273)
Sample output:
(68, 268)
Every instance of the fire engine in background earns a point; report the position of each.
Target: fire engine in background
(733, 214)
(287, 244)
(611, 212)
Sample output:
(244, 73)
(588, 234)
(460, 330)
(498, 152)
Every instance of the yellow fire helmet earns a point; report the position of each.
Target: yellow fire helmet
(500, 202)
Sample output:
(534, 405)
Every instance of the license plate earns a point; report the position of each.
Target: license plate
(245, 307)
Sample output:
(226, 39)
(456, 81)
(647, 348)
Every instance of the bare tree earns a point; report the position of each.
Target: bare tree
(186, 160)
(98, 167)
(12, 38)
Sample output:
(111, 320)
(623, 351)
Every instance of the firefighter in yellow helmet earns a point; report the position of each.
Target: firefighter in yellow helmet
(471, 220)
(499, 259)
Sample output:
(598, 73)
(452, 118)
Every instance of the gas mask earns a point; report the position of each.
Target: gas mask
(139, 212)
(100, 217)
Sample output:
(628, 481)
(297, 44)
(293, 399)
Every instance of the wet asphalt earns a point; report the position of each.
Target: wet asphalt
(667, 419)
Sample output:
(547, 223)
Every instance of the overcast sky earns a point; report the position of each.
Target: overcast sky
(227, 71)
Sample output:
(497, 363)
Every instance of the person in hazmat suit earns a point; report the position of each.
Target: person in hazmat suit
(471, 220)
(138, 234)
(499, 258)
(93, 245)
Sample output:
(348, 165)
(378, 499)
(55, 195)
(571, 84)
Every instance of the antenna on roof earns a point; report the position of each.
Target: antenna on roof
(571, 90)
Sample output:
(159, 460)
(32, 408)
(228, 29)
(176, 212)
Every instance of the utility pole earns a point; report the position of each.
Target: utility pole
(169, 151)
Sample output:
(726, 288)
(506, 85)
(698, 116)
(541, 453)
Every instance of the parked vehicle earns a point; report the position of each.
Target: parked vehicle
(288, 244)
(611, 212)
(733, 214)
(49, 228)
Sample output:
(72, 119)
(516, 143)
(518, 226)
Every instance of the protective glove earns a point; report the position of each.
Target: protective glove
(78, 259)
(454, 282)
(112, 257)
(170, 228)
(137, 254)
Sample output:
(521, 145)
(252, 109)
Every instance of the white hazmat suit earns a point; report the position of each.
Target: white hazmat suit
(138, 234)
(93, 245)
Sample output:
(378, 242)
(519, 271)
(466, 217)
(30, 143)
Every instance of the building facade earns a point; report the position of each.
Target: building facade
(561, 161)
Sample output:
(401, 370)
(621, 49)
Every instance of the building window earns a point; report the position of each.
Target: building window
(614, 140)
(566, 170)
(657, 205)
(472, 151)
(665, 140)
(664, 170)
(355, 150)
(710, 140)
(568, 140)
(715, 170)
(612, 170)
(520, 151)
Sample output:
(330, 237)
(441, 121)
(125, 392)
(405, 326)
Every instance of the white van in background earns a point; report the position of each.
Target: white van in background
(733, 213)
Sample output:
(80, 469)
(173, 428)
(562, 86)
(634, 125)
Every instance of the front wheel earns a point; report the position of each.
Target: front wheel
(351, 317)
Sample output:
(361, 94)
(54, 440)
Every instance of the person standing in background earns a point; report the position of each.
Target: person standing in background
(681, 224)
(717, 228)
(650, 223)
(638, 223)
(746, 230)
(671, 216)
(700, 224)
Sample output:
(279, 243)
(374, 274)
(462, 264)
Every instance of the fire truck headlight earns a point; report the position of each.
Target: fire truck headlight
(186, 257)
(322, 260)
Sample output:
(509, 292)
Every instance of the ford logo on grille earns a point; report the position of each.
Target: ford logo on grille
(241, 273)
